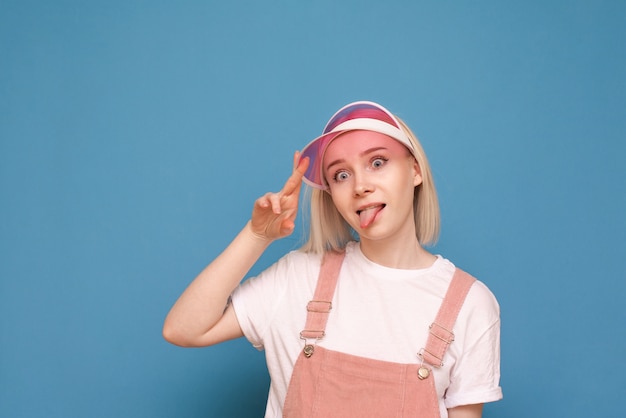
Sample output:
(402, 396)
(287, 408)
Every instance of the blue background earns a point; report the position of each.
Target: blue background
(135, 135)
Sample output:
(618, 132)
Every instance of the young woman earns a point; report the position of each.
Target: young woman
(362, 321)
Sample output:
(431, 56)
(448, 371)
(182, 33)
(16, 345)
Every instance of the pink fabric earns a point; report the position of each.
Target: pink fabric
(328, 383)
(321, 305)
(333, 384)
(440, 333)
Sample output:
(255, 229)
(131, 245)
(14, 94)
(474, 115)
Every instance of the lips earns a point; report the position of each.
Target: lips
(367, 214)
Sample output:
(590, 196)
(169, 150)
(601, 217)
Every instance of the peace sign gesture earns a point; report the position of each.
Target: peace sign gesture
(274, 214)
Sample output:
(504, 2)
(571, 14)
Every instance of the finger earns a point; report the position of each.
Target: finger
(287, 224)
(300, 164)
(287, 227)
(275, 202)
(294, 181)
(263, 201)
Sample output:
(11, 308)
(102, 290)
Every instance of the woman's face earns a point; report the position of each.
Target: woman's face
(372, 179)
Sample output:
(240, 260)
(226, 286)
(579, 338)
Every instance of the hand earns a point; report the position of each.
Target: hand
(274, 214)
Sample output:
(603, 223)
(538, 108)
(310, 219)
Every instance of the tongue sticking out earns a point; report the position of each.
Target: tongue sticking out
(368, 215)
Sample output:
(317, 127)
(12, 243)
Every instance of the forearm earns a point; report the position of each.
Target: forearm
(466, 411)
(199, 317)
(202, 304)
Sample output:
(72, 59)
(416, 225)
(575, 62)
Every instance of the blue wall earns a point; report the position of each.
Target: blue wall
(135, 135)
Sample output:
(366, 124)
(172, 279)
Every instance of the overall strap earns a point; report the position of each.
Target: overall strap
(440, 332)
(320, 306)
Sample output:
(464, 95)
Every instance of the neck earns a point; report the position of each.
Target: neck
(405, 254)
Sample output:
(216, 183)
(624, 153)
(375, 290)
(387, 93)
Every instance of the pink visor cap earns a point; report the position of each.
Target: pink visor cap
(366, 116)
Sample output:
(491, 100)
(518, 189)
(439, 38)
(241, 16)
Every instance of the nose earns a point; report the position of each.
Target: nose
(362, 186)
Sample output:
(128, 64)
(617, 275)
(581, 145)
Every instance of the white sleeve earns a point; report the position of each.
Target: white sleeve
(475, 376)
(250, 299)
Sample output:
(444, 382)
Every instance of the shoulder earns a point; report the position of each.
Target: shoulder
(480, 309)
(279, 291)
(481, 298)
(299, 264)
(293, 261)
(479, 317)
(479, 295)
(296, 269)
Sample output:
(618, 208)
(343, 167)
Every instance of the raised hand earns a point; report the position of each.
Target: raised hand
(274, 214)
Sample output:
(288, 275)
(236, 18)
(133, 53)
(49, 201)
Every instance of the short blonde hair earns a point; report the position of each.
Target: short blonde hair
(329, 231)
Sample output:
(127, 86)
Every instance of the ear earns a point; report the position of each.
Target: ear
(417, 173)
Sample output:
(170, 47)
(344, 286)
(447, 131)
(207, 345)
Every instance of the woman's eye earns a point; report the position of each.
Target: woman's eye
(378, 162)
(341, 176)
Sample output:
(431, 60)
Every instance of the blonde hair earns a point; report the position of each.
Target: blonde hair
(329, 231)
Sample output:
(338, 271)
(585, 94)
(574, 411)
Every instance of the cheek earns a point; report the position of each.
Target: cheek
(338, 190)
(340, 200)
(335, 196)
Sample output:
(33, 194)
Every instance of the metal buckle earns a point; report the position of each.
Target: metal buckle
(309, 349)
(311, 306)
(321, 334)
(423, 371)
(450, 336)
(420, 354)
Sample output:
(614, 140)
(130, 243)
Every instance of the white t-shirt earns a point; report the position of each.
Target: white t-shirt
(379, 313)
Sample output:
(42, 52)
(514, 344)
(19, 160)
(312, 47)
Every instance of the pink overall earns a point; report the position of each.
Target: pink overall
(327, 383)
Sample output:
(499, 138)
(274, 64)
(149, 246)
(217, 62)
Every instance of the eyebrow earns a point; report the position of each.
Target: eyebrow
(366, 152)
